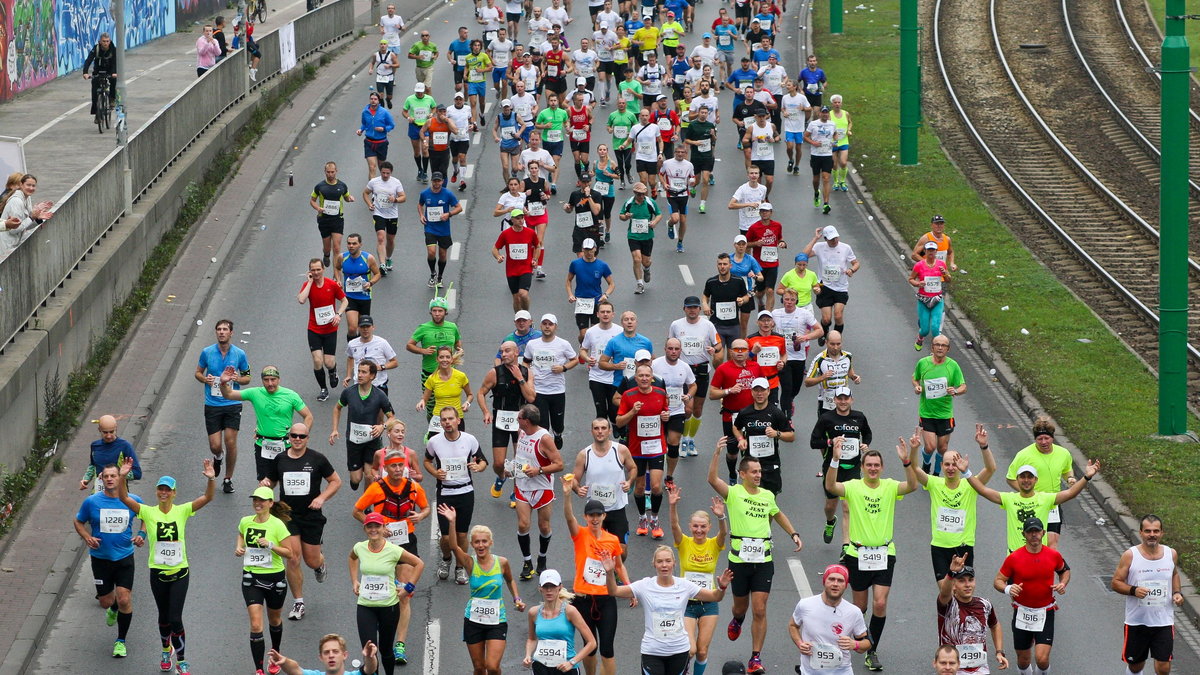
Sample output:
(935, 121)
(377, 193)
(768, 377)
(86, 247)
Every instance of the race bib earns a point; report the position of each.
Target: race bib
(645, 147)
(257, 557)
(679, 78)
(664, 123)
(360, 433)
(323, 315)
(461, 60)
(508, 133)
(620, 132)
(725, 40)
(518, 251)
(485, 611)
(554, 135)
(397, 532)
(768, 356)
(604, 53)
(667, 625)
(769, 254)
(355, 284)
(872, 558)
(603, 189)
(674, 397)
(441, 137)
(579, 134)
(585, 306)
(425, 55)
(114, 521)
(543, 359)
(933, 285)
(593, 572)
(383, 199)
(500, 59)
(639, 226)
(812, 87)
(435, 425)
(331, 207)
(850, 448)
(1156, 593)
(753, 550)
(296, 483)
(169, 553)
(647, 11)
(651, 447)
(692, 346)
(420, 115)
(375, 588)
(523, 110)
(825, 656)
(951, 521)
(628, 368)
(456, 470)
(536, 208)
(760, 446)
(830, 274)
(1031, 620)
(765, 24)
(935, 387)
(506, 420)
(583, 219)
(214, 389)
(940, 255)
(1054, 516)
(705, 145)
(550, 653)
(762, 150)
(605, 494)
(551, 71)
(971, 656)
(621, 55)
(490, 35)
(271, 448)
(678, 184)
(476, 76)
(726, 311)
(702, 579)
(648, 425)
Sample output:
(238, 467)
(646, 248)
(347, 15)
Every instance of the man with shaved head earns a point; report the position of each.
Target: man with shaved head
(108, 449)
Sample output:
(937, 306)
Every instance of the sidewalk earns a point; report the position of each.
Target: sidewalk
(41, 557)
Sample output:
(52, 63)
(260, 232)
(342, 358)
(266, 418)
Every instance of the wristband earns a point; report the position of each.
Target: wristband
(985, 447)
(409, 587)
(1086, 477)
(833, 461)
(1008, 590)
(967, 474)
(907, 464)
(266, 543)
(720, 518)
(142, 534)
(1133, 591)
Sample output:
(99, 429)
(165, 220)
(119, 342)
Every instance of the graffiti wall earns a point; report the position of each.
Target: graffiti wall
(30, 58)
(79, 24)
(188, 11)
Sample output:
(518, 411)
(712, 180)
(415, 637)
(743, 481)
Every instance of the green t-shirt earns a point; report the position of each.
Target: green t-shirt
(699, 131)
(430, 334)
(802, 284)
(951, 513)
(936, 402)
(165, 533)
(749, 517)
(621, 123)
(1019, 508)
(430, 50)
(872, 513)
(258, 560)
(476, 63)
(1052, 467)
(631, 91)
(377, 574)
(273, 412)
(671, 30)
(641, 214)
(419, 109)
(555, 117)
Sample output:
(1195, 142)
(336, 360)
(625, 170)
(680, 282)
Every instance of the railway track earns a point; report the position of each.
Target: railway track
(1006, 102)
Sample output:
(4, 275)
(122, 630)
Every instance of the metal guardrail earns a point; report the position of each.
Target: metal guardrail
(40, 265)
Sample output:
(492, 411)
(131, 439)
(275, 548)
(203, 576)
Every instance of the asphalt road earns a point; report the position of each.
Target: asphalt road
(259, 297)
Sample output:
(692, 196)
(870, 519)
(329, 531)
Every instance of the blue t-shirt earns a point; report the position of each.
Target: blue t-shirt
(680, 67)
(741, 78)
(766, 22)
(760, 56)
(809, 77)
(444, 200)
(620, 347)
(631, 27)
(677, 6)
(111, 522)
(589, 277)
(102, 454)
(744, 269)
(520, 340)
(214, 363)
(460, 48)
(726, 29)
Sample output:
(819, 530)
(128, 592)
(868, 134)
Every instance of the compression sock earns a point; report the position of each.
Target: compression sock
(731, 463)
(417, 161)
(699, 667)
(640, 500)
(276, 636)
(123, 621)
(441, 269)
(825, 327)
(333, 378)
(839, 327)
(319, 373)
(164, 634)
(876, 630)
(354, 484)
(350, 336)
(544, 544)
(523, 540)
(655, 503)
(432, 262)
(258, 649)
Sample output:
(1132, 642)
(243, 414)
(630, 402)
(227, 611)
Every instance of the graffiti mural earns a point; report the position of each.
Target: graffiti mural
(79, 24)
(29, 54)
(188, 11)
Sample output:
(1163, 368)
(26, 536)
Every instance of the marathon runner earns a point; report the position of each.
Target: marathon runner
(837, 263)
(723, 295)
(731, 385)
(826, 627)
(368, 347)
(643, 216)
(435, 207)
(550, 647)
(1054, 464)
(332, 649)
(380, 572)
(1027, 576)
(769, 350)
(645, 411)
(367, 409)
(964, 620)
(618, 354)
(533, 467)
(1149, 575)
(109, 449)
(452, 456)
(274, 409)
(550, 357)
(321, 293)
(604, 472)
(511, 386)
(326, 199)
(517, 249)
(937, 235)
(700, 347)
(587, 272)
(698, 558)
(871, 553)
(382, 197)
(832, 369)
(680, 384)
(758, 428)
(854, 430)
(260, 546)
(936, 379)
(360, 272)
(222, 417)
(437, 332)
(591, 350)
(797, 325)
(765, 238)
(418, 109)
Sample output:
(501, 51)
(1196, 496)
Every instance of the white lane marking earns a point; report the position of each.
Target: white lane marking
(48, 125)
(434, 534)
(475, 138)
(433, 636)
(451, 300)
(487, 106)
(798, 577)
(455, 250)
(469, 171)
(687, 275)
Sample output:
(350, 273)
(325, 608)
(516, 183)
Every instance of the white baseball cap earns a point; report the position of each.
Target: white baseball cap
(760, 383)
(830, 232)
(589, 243)
(1027, 468)
(766, 206)
(642, 355)
(549, 317)
(420, 87)
(740, 239)
(522, 314)
(550, 578)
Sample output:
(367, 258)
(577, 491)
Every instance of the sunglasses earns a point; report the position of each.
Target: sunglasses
(297, 435)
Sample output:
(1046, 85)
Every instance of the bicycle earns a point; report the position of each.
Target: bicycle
(256, 10)
(100, 80)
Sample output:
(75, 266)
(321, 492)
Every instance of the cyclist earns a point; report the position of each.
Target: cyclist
(104, 57)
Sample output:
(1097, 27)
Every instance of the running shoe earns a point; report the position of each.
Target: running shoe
(259, 672)
(167, 661)
(539, 273)
(462, 186)
(443, 569)
(872, 662)
(527, 571)
(734, 630)
(740, 145)
(321, 573)
(389, 264)
(297, 612)
(460, 576)
(816, 201)
(401, 654)
(825, 208)
(920, 343)
(712, 180)
(703, 207)
(272, 669)
(670, 230)
(646, 274)
(182, 668)
(512, 500)
(643, 527)
(641, 287)
(754, 665)
(497, 488)
(454, 177)
(324, 395)
(216, 469)
(679, 247)
(119, 651)
(656, 531)
(669, 482)
(110, 616)
(791, 167)
(554, 188)
(607, 236)
(432, 281)
(541, 565)
(827, 535)
(227, 486)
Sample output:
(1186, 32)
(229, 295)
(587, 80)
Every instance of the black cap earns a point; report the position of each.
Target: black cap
(967, 571)
(584, 177)
(824, 108)
(937, 219)
(593, 508)
(733, 668)
(437, 175)
(1032, 524)
(366, 320)
(691, 301)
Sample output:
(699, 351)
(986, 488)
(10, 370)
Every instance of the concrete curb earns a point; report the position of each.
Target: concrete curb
(1104, 494)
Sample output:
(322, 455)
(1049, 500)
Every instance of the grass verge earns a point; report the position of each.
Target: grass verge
(1191, 29)
(65, 406)
(1103, 396)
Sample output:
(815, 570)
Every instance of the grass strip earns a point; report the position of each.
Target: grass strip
(1102, 395)
(65, 406)
(1158, 10)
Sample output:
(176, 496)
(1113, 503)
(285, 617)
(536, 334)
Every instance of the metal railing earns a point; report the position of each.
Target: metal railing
(40, 265)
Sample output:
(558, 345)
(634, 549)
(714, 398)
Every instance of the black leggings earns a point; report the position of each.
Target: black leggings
(791, 381)
(675, 664)
(379, 624)
(170, 592)
(606, 204)
(625, 163)
(602, 398)
(554, 410)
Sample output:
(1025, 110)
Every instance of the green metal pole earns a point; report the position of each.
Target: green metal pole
(910, 83)
(835, 17)
(1173, 221)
